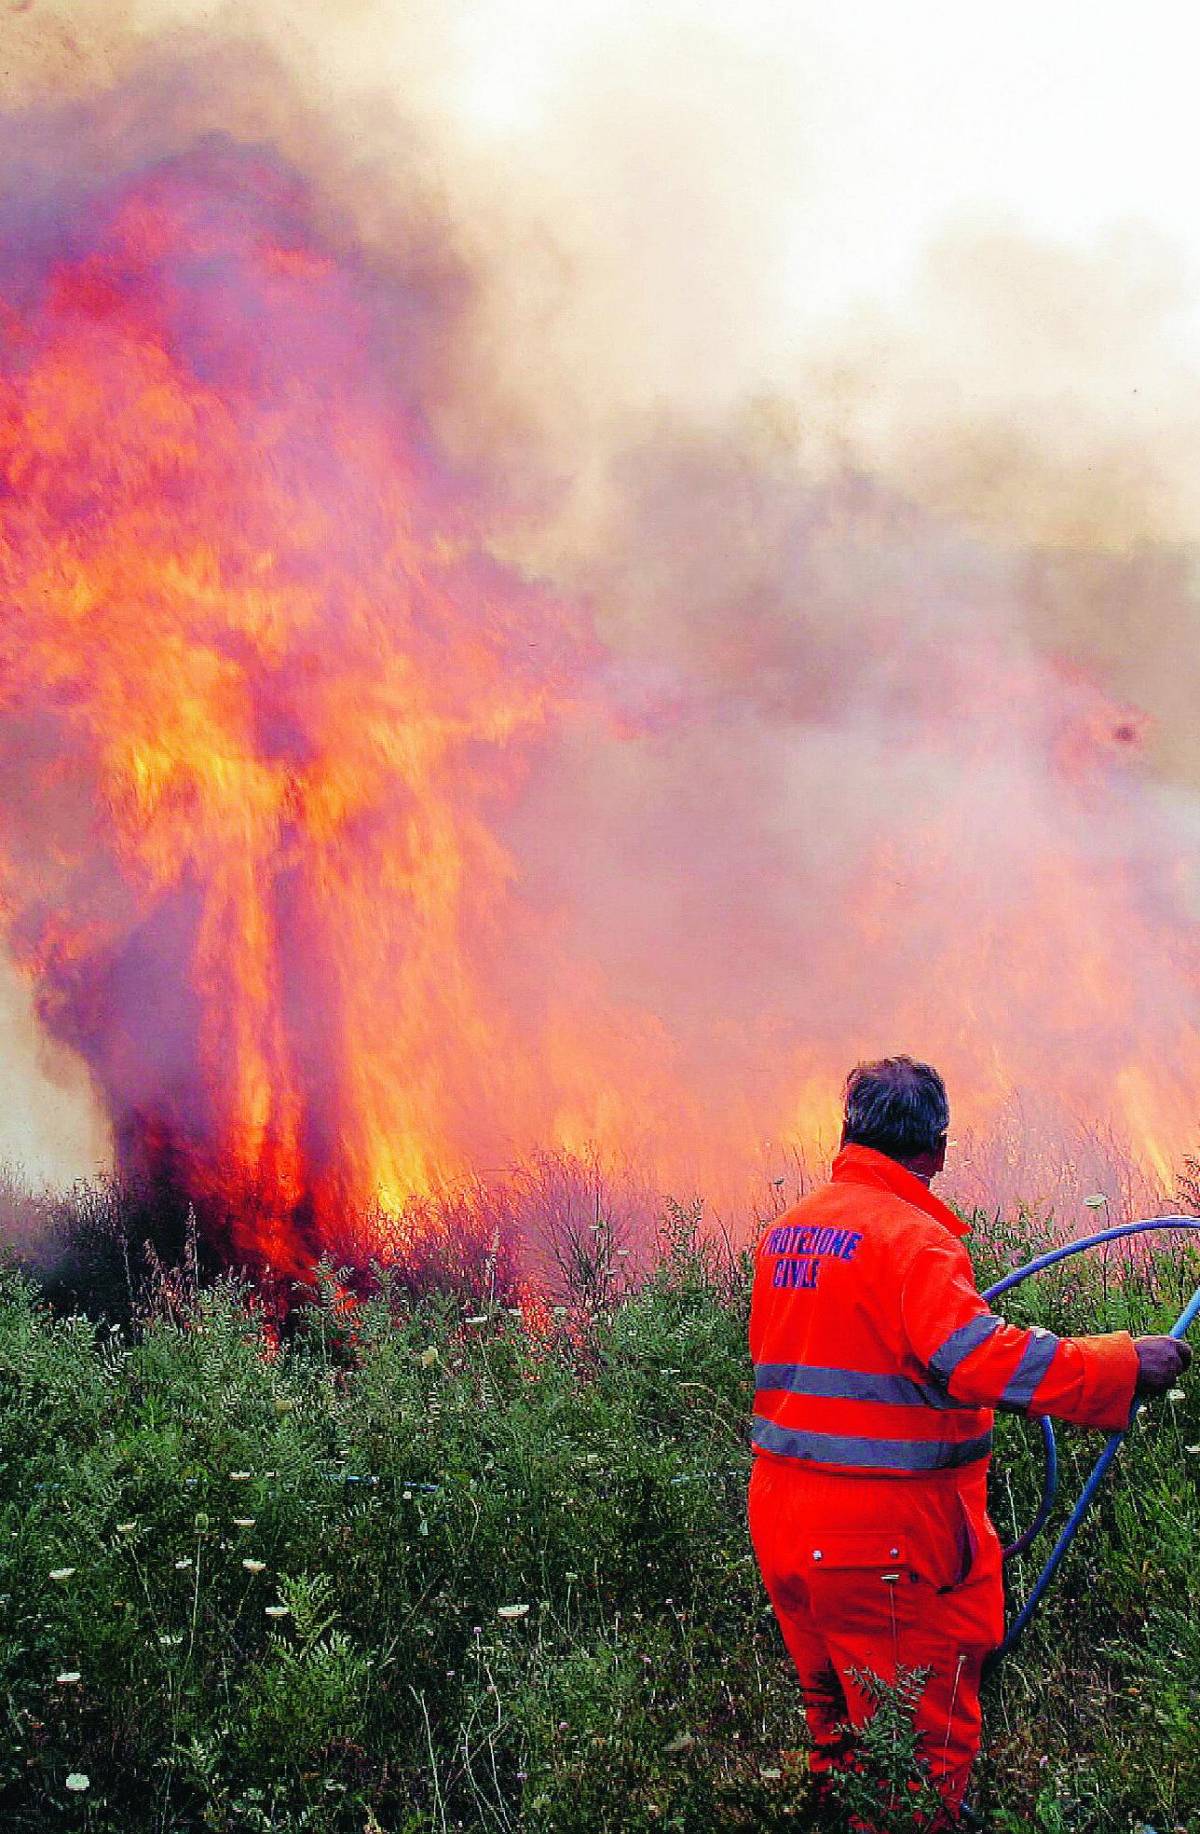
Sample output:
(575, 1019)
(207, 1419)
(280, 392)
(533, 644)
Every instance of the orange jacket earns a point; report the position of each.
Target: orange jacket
(874, 1353)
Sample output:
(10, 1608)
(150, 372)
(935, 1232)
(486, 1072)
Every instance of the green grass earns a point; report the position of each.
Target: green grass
(594, 1474)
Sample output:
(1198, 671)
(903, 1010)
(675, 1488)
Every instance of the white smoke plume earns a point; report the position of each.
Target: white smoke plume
(888, 740)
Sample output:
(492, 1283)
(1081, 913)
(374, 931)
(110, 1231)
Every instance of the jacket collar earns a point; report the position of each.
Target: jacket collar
(863, 1165)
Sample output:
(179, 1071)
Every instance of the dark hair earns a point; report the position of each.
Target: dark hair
(896, 1105)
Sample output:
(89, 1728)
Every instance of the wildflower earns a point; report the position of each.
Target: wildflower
(244, 1521)
(1097, 1202)
(61, 1574)
(284, 1404)
(170, 1642)
(68, 1678)
(429, 1356)
(240, 1477)
(480, 1318)
(512, 1611)
(181, 1566)
(1192, 1451)
(277, 1611)
(79, 1781)
(126, 1528)
(1176, 1395)
(254, 1566)
(769, 1773)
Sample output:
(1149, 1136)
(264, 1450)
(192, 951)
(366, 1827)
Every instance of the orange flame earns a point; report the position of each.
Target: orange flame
(268, 703)
(262, 687)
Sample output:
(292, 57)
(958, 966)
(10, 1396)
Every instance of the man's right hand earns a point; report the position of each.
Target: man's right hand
(1161, 1362)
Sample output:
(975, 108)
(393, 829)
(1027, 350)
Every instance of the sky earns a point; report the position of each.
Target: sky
(864, 132)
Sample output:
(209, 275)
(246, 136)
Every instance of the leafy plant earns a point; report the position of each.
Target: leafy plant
(418, 1565)
(886, 1783)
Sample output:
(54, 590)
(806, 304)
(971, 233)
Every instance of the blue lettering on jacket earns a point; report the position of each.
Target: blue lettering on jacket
(802, 1248)
(796, 1271)
(804, 1239)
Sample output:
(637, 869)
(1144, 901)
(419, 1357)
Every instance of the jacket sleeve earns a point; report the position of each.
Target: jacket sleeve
(979, 1359)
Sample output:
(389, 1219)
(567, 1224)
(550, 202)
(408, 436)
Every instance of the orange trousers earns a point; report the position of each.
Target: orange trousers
(876, 1573)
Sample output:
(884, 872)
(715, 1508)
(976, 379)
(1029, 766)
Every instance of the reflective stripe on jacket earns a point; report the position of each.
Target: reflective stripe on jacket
(874, 1351)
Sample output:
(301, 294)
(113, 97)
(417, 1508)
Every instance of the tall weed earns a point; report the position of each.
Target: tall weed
(416, 1566)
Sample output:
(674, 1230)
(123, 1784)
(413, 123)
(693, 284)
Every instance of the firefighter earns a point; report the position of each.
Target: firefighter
(877, 1366)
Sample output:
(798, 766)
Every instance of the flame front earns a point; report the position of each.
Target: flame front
(352, 862)
(261, 690)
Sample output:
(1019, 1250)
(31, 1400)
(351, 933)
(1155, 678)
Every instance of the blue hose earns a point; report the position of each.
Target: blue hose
(1179, 1329)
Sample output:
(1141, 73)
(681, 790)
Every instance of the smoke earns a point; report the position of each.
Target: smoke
(49, 1126)
(885, 736)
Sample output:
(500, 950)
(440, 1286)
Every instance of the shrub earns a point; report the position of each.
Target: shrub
(417, 1567)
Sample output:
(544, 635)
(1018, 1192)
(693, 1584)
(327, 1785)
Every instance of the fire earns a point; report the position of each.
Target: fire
(272, 714)
(1063, 973)
(262, 690)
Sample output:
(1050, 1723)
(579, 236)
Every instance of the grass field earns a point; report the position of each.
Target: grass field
(420, 1568)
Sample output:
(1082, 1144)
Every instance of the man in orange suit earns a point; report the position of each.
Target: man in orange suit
(877, 1367)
